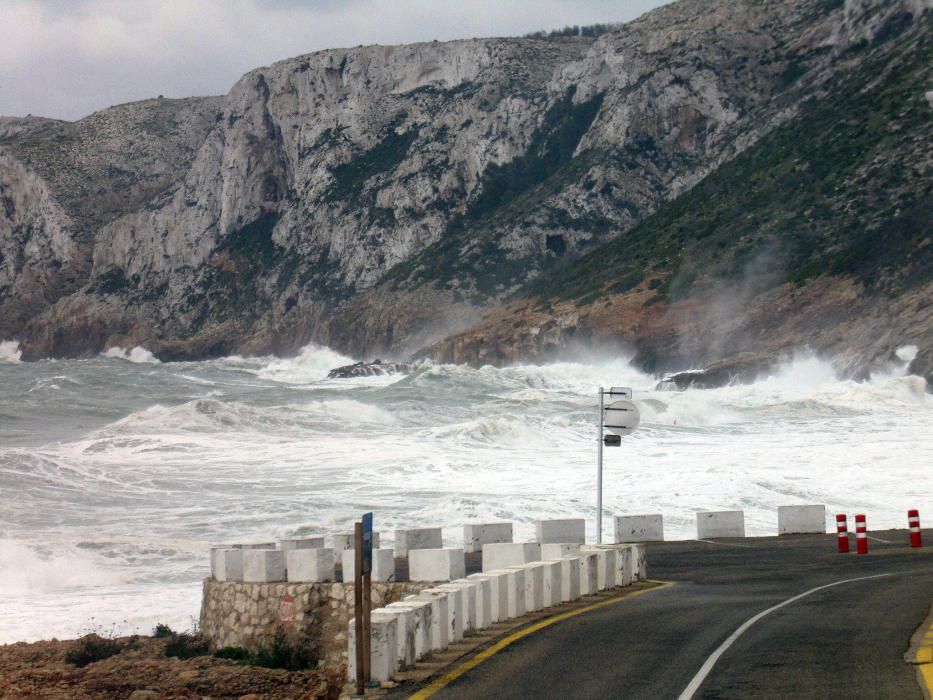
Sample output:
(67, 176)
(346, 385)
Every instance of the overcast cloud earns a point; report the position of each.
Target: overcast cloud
(68, 58)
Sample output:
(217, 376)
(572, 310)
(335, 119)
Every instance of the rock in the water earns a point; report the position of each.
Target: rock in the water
(369, 369)
(739, 369)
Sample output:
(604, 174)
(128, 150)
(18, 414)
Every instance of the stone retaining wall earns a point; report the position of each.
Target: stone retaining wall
(235, 614)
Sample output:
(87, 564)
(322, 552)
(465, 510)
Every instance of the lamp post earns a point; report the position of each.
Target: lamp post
(620, 418)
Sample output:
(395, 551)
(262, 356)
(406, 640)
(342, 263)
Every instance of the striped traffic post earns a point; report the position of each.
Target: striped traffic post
(842, 533)
(913, 520)
(861, 535)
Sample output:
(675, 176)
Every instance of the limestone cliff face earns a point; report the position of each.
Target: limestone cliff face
(376, 198)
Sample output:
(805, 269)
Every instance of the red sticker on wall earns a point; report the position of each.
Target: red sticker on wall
(287, 610)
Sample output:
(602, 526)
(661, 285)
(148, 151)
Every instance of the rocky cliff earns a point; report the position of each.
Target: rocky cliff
(378, 198)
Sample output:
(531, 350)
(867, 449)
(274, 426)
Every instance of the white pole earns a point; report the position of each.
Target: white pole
(599, 474)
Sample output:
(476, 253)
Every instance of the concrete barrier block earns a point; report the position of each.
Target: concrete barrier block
(263, 565)
(572, 530)
(498, 594)
(252, 545)
(383, 565)
(552, 583)
(558, 550)
(405, 630)
(436, 564)
(383, 657)
(515, 587)
(502, 555)
(347, 540)
(626, 568)
(227, 564)
(418, 538)
(589, 572)
(456, 609)
(725, 523)
(640, 562)
(475, 535)
(422, 611)
(639, 528)
(606, 566)
(482, 614)
(570, 578)
(310, 565)
(468, 592)
(302, 543)
(798, 520)
(440, 614)
(534, 585)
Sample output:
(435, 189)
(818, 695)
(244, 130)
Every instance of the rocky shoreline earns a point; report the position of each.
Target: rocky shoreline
(140, 670)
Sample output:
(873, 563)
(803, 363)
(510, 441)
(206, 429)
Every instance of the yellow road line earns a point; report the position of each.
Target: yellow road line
(923, 658)
(455, 673)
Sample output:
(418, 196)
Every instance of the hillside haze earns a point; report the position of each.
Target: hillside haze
(718, 181)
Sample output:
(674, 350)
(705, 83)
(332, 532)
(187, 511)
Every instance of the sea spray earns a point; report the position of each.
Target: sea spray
(133, 470)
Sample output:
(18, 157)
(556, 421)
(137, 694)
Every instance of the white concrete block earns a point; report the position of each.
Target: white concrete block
(570, 578)
(552, 583)
(467, 590)
(252, 545)
(639, 528)
(567, 530)
(383, 565)
(502, 555)
(263, 565)
(455, 611)
(475, 535)
(498, 594)
(347, 540)
(725, 523)
(606, 566)
(422, 611)
(302, 543)
(795, 520)
(589, 572)
(418, 538)
(227, 564)
(405, 629)
(483, 611)
(440, 614)
(436, 564)
(310, 565)
(640, 562)
(515, 587)
(626, 566)
(558, 550)
(383, 657)
(534, 585)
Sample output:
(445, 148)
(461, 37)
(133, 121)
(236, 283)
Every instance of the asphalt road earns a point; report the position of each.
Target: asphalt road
(846, 641)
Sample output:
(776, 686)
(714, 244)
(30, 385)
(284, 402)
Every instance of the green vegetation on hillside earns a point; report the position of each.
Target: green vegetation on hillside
(842, 188)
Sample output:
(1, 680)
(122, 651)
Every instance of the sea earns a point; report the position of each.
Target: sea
(118, 473)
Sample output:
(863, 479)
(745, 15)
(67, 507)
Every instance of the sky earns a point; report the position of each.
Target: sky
(69, 58)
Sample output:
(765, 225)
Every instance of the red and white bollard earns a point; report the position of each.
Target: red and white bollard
(913, 519)
(842, 533)
(861, 535)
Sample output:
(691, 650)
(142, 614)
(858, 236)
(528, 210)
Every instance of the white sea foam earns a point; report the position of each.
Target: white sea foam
(137, 355)
(9, 351)
(271, 448)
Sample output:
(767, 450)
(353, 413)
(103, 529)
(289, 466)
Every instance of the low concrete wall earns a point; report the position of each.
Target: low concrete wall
(796, 520)
(247, 614)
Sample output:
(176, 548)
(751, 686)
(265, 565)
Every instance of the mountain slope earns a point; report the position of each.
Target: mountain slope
(377, 198)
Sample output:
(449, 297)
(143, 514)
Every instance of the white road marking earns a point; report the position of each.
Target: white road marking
(878, 539)
(725, 544)
(701, 675)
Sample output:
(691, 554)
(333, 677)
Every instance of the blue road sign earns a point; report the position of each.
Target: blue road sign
(367, 566)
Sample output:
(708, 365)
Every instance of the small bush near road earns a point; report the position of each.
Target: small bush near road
(91, 648)
(161, 631)
(186, 646)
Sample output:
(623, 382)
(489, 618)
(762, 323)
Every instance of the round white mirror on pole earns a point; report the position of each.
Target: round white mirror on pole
(621, 417)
